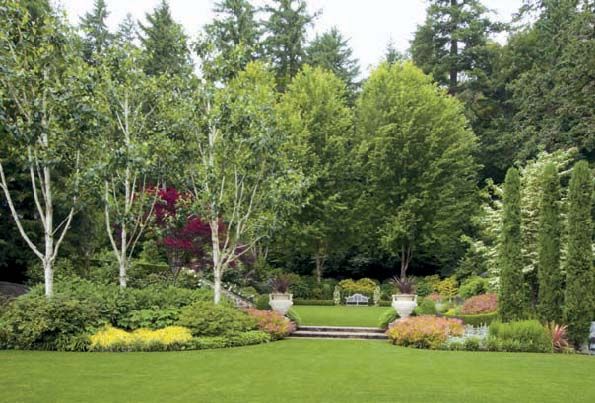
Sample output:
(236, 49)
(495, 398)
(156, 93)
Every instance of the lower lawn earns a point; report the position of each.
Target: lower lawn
(340, 315)
(297, 370)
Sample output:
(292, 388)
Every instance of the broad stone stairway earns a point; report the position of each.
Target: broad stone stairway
(339, 332)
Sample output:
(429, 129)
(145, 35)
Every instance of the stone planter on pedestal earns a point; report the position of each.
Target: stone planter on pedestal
(281, 302)
(404, 304)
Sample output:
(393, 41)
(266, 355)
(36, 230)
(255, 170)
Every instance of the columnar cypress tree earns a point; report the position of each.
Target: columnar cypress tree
(512, 288)
(579, 270)
(551, 294)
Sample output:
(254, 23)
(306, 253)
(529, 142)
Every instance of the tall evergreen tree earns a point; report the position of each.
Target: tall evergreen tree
(96, 34)
(231, 41)
(127, 30)
(512, 288)
(578, 306)
(450, 43)
(331, 51)
(285, 42)
(392, 55)
(550, 294)
(165, 43)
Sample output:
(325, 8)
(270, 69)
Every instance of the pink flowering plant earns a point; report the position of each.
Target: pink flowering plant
(273, 323)
(485, 303)
(426, 331)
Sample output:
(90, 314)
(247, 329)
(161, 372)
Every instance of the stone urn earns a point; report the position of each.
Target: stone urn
(281, 302)
(404, 304)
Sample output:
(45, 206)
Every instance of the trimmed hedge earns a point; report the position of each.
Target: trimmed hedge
(233, 340)
(326, 302)
(476, 320)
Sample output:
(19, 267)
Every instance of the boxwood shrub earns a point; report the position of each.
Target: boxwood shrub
(313, 302)
(208, 319)
(476, 320)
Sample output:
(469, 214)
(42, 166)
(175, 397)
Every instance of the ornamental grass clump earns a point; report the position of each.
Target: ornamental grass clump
(484, 303)
(424, 331)
(272, 323)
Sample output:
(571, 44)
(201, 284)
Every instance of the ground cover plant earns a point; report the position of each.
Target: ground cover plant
(260, 374)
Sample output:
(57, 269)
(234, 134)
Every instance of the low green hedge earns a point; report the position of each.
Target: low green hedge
(234, 340)
(476, 320)
(384, 303)
(313, 302)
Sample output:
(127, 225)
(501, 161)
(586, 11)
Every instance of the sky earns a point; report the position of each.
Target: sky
(369, 24)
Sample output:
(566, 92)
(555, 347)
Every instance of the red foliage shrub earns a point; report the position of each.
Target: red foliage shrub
(426, 331)
(275, 324)
(558, 334)
(434, 297)
(484, 303)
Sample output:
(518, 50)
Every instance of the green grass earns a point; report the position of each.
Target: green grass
(367, 316)
(296, 371)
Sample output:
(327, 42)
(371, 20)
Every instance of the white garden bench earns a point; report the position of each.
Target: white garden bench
(357, 299)
(592, 338)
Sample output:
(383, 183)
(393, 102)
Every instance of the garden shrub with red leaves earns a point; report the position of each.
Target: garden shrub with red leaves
(558, 334)
(424, 331)
(484, 303)
(273, 323)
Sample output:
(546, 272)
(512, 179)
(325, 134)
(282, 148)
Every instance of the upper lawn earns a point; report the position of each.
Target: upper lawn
(367, 316)
(297, 371)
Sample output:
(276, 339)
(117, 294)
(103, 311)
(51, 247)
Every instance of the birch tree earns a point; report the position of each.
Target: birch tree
(128, 152)
(244, 180)
(44, 99)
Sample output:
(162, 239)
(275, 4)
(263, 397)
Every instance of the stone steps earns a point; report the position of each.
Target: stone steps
(339, 332)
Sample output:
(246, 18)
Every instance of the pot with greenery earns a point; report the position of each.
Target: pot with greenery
(405, 301)
(280, 299)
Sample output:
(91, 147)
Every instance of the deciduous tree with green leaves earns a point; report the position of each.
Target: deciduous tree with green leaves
(45, 97)
(318, 98)
(417, 170)
(513, 299)
(246, 177)
(578, 306)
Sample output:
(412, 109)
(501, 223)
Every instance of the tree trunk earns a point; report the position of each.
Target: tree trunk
(217, 288)
(406, 254)
(48, 278)
(454, 51)
(319, 259)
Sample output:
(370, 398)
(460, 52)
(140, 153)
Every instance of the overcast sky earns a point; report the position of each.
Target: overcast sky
(369, 24)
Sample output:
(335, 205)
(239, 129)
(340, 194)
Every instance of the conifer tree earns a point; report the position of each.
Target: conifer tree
(512, 288)
(165, 43)
(285, 43)
(96, 34)
(578, 306)
(550, 294)
(332, 52)
(127, 30)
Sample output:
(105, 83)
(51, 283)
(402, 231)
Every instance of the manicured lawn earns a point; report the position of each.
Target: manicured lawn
(340, 315)
(296, 371)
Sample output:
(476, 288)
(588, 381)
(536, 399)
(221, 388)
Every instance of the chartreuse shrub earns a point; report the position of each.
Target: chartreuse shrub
(168, 338)
(424, 331)
(34, 322)
(363, 286)
(273, 323)
(524, 335)
(208, 319)
(578, 307)
(473, 286)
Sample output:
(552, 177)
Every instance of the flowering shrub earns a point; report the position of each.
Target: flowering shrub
(434, 297)
(273, 323)
(113, 339)
(484, 303)
(424, 331)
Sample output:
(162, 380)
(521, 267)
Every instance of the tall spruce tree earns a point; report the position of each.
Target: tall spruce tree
(96, 35)
(285, 41)
(331, 51)
(392, 55)
(231, 41)
(450, 43)
(578, 306)
(127, 30)
(550, 294)
(512, 288)
(165, 43)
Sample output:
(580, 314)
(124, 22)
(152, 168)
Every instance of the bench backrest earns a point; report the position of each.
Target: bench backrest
(356, 299)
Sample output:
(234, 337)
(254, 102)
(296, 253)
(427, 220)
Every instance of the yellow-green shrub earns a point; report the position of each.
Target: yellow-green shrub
(113, 339)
